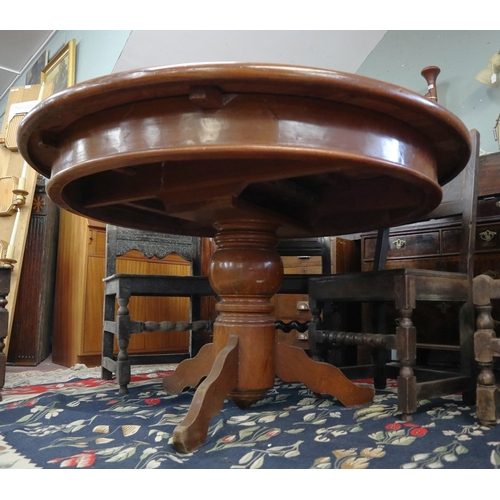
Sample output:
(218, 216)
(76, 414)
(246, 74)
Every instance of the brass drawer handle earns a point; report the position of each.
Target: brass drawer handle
(487, 235)
(302, 305)
(399, 243)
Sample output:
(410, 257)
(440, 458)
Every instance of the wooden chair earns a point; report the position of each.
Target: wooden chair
(405, 288)
(119, 288)
(486, 348)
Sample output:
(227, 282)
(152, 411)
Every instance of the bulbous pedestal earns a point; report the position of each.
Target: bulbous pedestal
(245, 272)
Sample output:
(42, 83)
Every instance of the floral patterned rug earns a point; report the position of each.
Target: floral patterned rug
(84, 423)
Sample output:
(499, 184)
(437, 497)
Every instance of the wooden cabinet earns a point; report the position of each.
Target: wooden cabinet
(344, 256)
(79, 295)
(288, 307)
(436, 247)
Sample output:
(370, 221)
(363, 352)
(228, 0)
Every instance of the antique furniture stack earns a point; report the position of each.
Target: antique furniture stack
(434, 245)
(247, 154)
(486, 294)
(406, 288)
(304, 258)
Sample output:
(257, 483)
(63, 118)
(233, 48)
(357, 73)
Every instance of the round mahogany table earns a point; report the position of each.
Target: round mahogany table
(247, 154)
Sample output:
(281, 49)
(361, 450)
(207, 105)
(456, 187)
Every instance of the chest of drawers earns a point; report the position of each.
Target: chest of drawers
(340, 255)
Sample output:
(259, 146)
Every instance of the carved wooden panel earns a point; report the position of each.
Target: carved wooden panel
(33, 317)
(154, 244)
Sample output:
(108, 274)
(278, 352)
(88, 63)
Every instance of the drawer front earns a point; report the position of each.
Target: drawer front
(292, 306)
(488, 207)
(302, 264)
(406, 246)
(487, 239)
(489, 180)
(427, 244)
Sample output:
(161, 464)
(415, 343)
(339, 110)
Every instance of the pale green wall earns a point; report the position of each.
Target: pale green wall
(96, 53)
(400, 56)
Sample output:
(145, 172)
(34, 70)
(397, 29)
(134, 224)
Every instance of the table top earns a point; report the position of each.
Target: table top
(176, 148)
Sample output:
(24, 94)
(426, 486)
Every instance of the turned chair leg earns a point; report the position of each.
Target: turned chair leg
(406, 351)
(107, 336)
(123, 371)
(487, 395)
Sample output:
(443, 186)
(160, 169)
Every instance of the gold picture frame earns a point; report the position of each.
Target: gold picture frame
(60, 71)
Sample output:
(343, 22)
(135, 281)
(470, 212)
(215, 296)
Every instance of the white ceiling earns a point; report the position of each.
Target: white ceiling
(19, 50)
(342, 50)
(337, 49)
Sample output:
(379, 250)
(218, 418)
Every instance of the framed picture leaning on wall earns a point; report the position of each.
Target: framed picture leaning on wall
(33, 75)
(60, 71)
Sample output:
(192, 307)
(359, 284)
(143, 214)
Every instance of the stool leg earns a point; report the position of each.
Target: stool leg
(406, 350)
(487, 397)
(123, 338)
(107, 338)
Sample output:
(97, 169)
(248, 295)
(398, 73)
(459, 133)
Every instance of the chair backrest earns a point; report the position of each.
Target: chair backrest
(120, 240)
(460, 201)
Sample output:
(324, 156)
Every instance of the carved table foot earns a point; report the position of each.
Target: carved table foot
(190, 371)
(294, 365)
(208, 399)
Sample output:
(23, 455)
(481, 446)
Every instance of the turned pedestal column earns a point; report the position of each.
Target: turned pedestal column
(245, 272)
